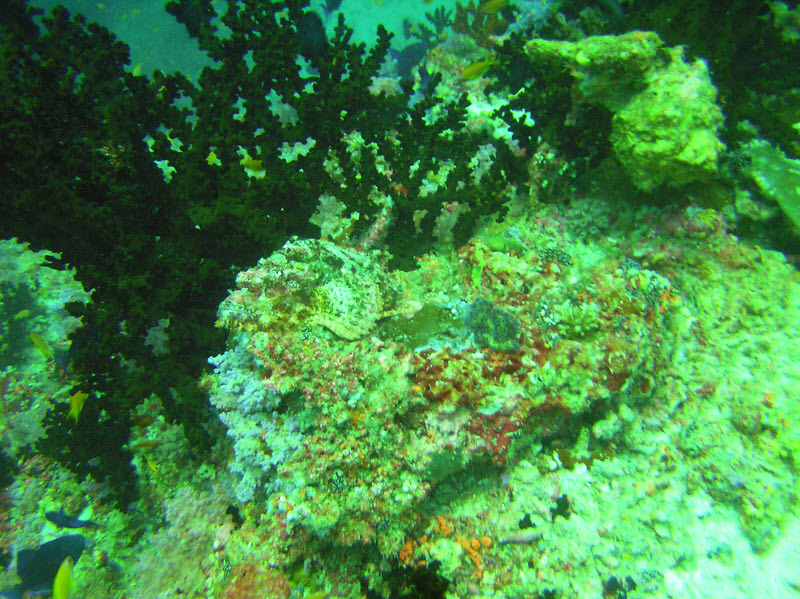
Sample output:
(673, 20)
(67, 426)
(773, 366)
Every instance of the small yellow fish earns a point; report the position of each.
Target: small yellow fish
(62, 585)
(76, 401)
(39, 342)
(137, 69)
(491, 7)
(476, 69)
(150, 464)
(146, 443)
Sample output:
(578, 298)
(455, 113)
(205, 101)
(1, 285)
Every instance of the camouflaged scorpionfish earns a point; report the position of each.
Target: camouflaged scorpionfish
(311, 282)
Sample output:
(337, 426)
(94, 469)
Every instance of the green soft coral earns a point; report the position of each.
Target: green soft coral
(776, 177)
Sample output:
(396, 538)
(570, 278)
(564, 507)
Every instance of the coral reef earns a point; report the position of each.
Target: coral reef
(181, 179)
(178, 556)
(491, 377)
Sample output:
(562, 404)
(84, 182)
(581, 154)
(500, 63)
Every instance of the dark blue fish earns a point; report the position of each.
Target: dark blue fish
(407, 58)
(63, 520)
(37, 568)
(311, 31)
(192, 13)
(330, 6)
(614, 12)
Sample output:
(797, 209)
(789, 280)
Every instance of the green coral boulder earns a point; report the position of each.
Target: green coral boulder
(666, 120)
(667, 133)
